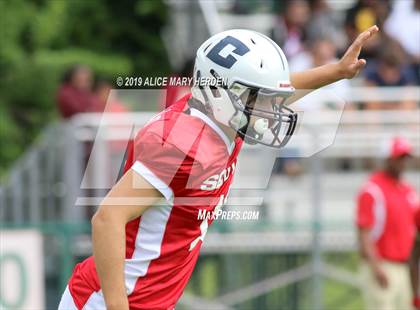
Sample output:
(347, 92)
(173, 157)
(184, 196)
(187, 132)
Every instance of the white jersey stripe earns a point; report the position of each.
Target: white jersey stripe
(378, 209)
(148, 243)
(157, 183)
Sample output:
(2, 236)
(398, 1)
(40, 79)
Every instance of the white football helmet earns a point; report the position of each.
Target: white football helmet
(256, 84)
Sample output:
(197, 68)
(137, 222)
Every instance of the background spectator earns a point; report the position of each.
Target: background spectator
(406, 13)
(320, 51)
(324, 24)
(390, 70)
(362, 15)
(385, 222)
(290, 28)
(75, 94)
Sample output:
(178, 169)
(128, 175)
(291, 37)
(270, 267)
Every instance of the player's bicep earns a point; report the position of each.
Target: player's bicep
(129, 198)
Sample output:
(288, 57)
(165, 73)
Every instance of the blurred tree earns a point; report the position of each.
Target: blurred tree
(39, 39)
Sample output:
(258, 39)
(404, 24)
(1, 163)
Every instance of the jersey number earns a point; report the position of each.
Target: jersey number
(205, 224)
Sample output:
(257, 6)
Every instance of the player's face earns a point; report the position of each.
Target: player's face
(264, 118)
(82, 79)
(263, 106)
(265, 103)
(397, 165)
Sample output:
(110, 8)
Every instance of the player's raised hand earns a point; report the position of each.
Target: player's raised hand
(350, 64)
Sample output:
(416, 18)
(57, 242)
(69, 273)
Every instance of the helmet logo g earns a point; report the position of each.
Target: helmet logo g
(228, 61)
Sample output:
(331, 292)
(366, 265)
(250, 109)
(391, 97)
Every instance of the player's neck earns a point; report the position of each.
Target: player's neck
(228, 131)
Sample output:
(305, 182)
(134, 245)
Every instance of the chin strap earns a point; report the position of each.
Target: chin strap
(239, 120)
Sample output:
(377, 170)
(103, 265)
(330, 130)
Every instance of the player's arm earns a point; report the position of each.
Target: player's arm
(346, 68)
(365, 220)
(414, 271)
(120, 206)
(367, 251)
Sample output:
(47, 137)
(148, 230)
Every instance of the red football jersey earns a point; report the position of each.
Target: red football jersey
(191, 161)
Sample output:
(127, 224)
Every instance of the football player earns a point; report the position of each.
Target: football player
(144, 251)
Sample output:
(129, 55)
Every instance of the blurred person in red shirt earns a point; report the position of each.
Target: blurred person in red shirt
(414, 264)
(75, 94)
(386, 231)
